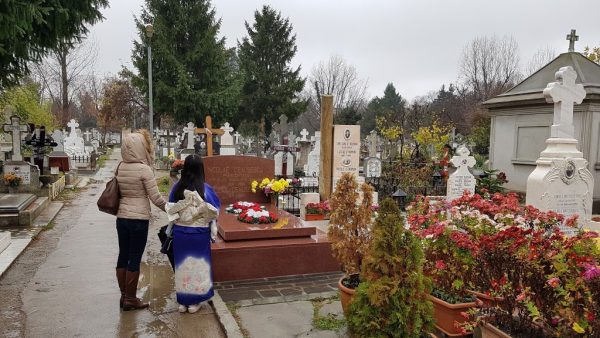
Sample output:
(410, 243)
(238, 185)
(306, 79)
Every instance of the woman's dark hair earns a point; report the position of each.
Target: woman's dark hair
(192, 177)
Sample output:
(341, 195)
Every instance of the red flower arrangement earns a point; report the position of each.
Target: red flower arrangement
(321, 208)
(257, 215)
(240, 206)
(177, 164)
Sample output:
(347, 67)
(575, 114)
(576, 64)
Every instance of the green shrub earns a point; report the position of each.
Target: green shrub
(392, 300)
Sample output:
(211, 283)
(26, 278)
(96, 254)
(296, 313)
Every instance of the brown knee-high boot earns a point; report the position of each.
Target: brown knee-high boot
(121, 280)
(131, 302)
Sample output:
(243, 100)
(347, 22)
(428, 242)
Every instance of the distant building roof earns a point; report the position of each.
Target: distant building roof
(531, 89)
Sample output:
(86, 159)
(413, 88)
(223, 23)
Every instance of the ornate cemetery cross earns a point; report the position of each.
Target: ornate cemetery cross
(572, 38)
(15, 128)
(209, 132)
(564, 93)
(189, 130)
(73, 125)
(304, 133)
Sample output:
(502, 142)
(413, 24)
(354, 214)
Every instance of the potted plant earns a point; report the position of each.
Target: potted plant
(449, 261)
(317, 211)
(349, 232)
(391, 300)
(12, 181)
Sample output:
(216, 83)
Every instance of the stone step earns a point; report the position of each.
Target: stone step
(9, 220)
(27, 216)
(48, 215)
(4, 240)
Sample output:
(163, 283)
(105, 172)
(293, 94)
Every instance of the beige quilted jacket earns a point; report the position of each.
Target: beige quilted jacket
(136, 180)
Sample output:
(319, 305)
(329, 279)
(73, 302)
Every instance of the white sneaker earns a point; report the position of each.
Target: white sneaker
(194, 308)
(182, 308)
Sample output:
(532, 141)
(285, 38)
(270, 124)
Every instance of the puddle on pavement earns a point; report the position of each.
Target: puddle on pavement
(157, 284)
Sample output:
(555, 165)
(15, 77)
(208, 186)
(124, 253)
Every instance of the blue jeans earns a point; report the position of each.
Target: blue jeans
(133, 234)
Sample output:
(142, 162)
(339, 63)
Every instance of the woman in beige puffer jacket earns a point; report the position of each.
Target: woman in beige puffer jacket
(137, 186)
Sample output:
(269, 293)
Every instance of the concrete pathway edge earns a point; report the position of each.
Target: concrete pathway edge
(228, 322)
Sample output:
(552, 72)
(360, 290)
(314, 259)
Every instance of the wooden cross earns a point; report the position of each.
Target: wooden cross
(15, 128)
(209, 132)
(572, 38)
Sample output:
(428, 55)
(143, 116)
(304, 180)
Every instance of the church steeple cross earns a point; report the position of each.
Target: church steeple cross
(572, 38)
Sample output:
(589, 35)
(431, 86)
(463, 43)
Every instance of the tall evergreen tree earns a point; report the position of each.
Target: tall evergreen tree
(29, 29)
(193, 75)
(271, 86)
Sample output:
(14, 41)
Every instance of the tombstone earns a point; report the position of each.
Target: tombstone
(58, 158)
(168, 137)
(346, 151)
(227, 141)
(39, 141)
(30, 174)
(189, 138)
(461, 180)
(372, 162)
(561, 181)
(305, 146)
(312, 165)
(74, 144)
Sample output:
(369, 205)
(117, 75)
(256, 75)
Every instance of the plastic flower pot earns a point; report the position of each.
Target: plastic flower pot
(314, 217)
(490, 331)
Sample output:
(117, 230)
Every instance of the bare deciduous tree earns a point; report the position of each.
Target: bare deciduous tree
(541, 58)
(63, 75)
(332, 77)
(490, 65)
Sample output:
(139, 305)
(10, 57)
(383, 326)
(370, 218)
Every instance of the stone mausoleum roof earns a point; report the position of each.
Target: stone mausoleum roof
(530, 89)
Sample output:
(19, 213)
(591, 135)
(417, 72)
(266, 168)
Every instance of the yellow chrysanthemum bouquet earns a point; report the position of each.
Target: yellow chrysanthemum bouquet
(270, 186)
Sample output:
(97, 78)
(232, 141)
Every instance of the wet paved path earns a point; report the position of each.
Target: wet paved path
(71, 291)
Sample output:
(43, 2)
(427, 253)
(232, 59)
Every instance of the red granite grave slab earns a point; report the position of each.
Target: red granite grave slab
(251, 259)
(231, 176)
(287, 226)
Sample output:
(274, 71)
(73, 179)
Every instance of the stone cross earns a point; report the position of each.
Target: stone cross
(87, 135)
(209, 131)
(463, 161)
(372, 139)
(282, 127)
(572, 38)
(564, 93)
(461, 179)
(15, 128)
(73, 125)
(189, 130)
(237, 137)
(304, 133)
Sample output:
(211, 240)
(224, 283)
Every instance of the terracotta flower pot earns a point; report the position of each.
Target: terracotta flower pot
(446, 315)
(490, 331)
(346, 295)
(314, 217)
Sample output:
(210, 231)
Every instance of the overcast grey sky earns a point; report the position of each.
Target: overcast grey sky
(414, 44)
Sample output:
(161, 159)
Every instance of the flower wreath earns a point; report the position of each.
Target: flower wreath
(257, 216)
(238, 207)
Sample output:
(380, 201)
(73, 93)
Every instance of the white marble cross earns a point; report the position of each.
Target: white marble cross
(304, 133)
(73, 125)
(237, 137)
(87, 135)
(462, 161)
(564, 93)
(189, 130)
(15, 128)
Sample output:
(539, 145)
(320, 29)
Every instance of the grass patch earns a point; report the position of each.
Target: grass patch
(164, 184)
(329, 322)
(49, 226)
(233, 309)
